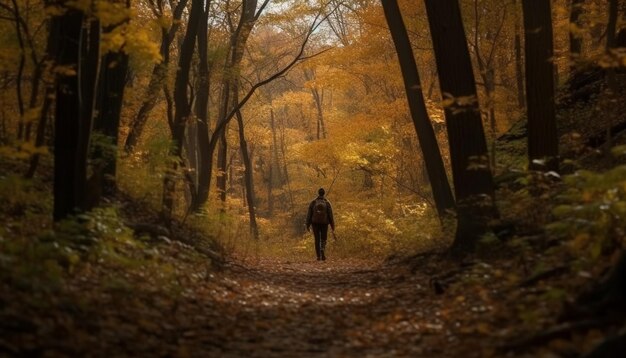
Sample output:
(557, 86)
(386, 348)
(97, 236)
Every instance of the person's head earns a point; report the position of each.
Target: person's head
(321, 192)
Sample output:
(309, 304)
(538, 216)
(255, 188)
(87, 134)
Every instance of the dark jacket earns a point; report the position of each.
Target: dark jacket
(309, 215)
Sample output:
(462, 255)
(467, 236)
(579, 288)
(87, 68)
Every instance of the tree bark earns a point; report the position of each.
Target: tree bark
(43, 67)
(109, 109)
(519, 71)
(275, 161)
(238, 43)
(435, 168)
(230, 85)
(611, 44)
(20, 71)
(309, 75)
(543, 143)
(473, 182)
(182, 105)
(89, 73)
(575, 40)
(202, 112)
(248, 177)
(66, 31)
(159, 75)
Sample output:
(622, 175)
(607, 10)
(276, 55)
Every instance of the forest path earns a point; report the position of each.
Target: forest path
(333, 308)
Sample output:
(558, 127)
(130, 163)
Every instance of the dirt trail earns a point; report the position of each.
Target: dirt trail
(332, 308)
(270, 308)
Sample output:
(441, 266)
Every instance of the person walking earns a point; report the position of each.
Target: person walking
(320, 215)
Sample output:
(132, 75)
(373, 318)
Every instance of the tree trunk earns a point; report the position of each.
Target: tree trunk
(222, 167)
(109, 109)
(45, 67)
(283, 148)
(89, 73)
(275, 161)
(65, 33)
(158, 77)
(270, 185)
(230, 85)
(202, 112)
(519, 72)
(20, 71)
(318, 100)
(543, 143)
(575, 39)
(611, 44)
(248, 177)
(473, 182)
(440, 185)
(182, 105)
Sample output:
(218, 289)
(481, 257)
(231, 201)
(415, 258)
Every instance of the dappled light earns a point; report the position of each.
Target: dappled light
(332, 178)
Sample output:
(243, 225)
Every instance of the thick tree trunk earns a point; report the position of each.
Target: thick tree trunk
(111, 99)
(109, 109)
(421, 121)
(543, 143)
(66, 31)
(473, 182)
(202, 112)
(89, 73)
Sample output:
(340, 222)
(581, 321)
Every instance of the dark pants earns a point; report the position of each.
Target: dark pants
(320, 231)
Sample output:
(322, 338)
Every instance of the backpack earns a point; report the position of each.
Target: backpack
(320, 212)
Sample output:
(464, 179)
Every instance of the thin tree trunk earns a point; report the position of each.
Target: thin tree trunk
(519, 71)
(473, 182)
(319, 107)
(543, 148)
(222, 167)
(223, 122)
(157, 78)
(230, 84)
(283, 148)
(275, 161)
(270, 185)
(41, 131)
(44, 67)
(611, 42)
(20, 71)
(248, 176)
(575, 39)
(182, 105)
(440, 185)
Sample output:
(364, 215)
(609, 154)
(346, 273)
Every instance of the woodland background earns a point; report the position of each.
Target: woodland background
(125, 125)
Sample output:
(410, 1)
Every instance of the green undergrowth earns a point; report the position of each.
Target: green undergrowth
(38, 257)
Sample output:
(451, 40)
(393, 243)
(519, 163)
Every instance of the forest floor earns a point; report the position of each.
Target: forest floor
(175, 304)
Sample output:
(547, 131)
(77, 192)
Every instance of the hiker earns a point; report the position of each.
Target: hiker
(320, 215)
